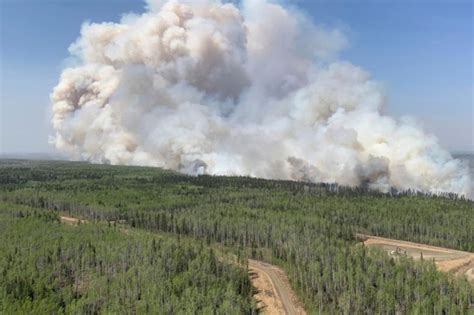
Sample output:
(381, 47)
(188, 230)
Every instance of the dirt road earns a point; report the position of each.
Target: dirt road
(275, 294)
(71, 220)
(446, 259)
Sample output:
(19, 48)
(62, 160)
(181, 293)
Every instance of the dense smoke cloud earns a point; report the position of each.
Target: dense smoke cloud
(208, 87)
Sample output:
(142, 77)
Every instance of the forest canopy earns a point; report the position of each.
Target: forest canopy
(177, 227)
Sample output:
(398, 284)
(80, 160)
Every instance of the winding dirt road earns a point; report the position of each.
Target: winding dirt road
(275, 295)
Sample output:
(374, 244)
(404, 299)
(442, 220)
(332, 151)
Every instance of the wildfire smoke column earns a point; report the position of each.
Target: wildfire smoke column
(209, 87)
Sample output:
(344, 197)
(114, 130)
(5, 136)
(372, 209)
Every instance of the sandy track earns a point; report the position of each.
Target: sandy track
(274, 292)
(71, 220)
(446, 259)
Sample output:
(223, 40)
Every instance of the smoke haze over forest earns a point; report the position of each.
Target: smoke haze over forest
(206, 87)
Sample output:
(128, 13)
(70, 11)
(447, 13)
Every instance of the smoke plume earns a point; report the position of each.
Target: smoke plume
(255, 89)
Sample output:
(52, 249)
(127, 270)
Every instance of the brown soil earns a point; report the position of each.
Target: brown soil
(446, 259)
(71, 220)
(274, 294)
(268, 300)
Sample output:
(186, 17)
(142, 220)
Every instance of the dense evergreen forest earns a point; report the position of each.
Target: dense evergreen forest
(49, 268)
(307, 229)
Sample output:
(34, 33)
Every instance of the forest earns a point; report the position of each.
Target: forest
(160, 242)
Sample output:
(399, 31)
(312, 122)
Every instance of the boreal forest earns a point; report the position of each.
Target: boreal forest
(151, 241)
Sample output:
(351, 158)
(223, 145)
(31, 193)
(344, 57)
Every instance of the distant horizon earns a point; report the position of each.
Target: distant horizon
(62, 156)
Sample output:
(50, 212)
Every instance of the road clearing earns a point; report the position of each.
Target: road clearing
(446, 259)
(274, 295)
(71, 220)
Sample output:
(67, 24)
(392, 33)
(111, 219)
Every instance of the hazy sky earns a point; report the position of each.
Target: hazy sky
(421, 50)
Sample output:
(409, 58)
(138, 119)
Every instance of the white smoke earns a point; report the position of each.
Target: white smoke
(207, 87)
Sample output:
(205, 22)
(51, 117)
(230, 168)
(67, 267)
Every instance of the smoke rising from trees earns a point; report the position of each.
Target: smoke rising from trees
(255, 89)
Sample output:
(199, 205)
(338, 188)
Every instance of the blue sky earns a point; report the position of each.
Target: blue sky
(421, 50)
